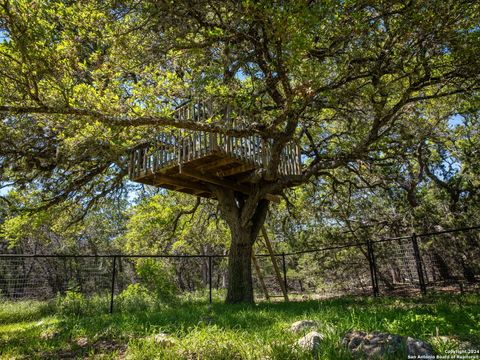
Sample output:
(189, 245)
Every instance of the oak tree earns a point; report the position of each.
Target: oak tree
(83, 81)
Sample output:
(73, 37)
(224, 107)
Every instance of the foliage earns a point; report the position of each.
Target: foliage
(157, 276)
(163, 224)
(96, 77)
(136, 297)
(73, 303)
(63, 229)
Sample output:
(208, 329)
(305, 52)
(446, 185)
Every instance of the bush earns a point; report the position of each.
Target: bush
(136, 297)
(72, 303)
(157, 277)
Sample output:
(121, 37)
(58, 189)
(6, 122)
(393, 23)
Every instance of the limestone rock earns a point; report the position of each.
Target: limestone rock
(302, 325)
(310, 342)
(164, 340)
(418, 347)
(378, 344)
(48, 334)
(82, 341)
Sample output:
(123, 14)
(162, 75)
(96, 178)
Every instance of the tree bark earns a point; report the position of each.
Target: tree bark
(244, 215)
(240, 282)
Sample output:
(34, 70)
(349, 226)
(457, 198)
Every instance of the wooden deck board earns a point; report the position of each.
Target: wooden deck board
(243, 168)
(188, 191)
(220, 163)
(192, 177)
(213, 152)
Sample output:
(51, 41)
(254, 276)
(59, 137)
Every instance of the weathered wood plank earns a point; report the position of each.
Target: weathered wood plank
(217, 163)
(159, 180)
(229, 184)
(260, 277)
(169, 153)
(236, 170)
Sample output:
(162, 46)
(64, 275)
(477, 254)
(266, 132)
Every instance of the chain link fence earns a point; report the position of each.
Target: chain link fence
(437, 261)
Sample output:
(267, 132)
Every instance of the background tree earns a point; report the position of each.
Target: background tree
(170, 223)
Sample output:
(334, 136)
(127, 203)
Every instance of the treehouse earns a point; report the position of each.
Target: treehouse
(190, 161)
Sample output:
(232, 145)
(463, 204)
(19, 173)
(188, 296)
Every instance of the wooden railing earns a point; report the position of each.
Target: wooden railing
(152, 157)
(207, 109)
(169, 150)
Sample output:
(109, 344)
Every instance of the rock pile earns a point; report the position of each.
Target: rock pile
(377, 344)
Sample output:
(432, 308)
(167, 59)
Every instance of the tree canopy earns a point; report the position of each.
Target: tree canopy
(83, 81)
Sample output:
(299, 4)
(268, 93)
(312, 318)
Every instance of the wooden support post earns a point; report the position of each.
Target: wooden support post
(274, 262)
(260, 277)
(139, 161)
(130, 164)
(212, 139)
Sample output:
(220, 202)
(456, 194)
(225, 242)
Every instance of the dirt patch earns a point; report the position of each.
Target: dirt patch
(86, 351)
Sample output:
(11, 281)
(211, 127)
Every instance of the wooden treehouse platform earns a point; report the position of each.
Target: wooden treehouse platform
(189, 162)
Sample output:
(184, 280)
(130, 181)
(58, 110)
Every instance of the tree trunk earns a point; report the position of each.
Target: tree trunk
(244, 216)
(240, 282)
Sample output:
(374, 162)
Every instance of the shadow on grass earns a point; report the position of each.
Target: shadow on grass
(451, 315)
(28, 310)
(419, 317)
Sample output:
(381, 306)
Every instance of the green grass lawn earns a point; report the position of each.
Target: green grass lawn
(83, 329)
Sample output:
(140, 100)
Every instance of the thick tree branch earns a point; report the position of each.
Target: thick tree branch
(185, 212)
(133, 121)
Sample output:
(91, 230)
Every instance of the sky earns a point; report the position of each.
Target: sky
(5, 190)
(3, 36)
(455, 120)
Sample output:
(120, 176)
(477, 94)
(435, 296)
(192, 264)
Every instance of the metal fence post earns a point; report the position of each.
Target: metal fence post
(284, 273)
(210, 279)
(375, 271)
(418, 262)
(373, 268)
(113, 283)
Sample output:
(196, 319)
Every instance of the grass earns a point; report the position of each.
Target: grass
(40, 330)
